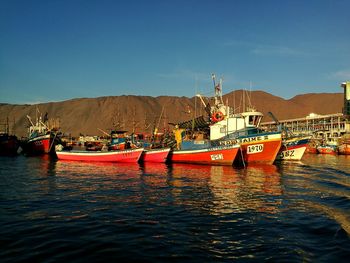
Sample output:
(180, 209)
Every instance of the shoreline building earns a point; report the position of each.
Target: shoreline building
(324, 127)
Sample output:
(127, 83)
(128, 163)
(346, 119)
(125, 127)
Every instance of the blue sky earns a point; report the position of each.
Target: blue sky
(56, 50)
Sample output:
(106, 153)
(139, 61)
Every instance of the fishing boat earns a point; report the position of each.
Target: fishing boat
(312, 147)
(327, 149)
(229, 128)
(122, 156)
(258, 148)
(155, 155)
(344, 149)
(41, 138)
(293, 148)
(344, 145)
(119, 141)
(214, 155)
(9, 144)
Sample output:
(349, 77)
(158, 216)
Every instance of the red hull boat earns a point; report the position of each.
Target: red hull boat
(221, 155)
(344, 149)
(327, 149)
(260, 148)
(41, 137)
(40, 145)
(125, 156)
(262, 152)
(227, 127)
(155, 155)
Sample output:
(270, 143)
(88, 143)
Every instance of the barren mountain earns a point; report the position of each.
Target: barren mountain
(142, 113)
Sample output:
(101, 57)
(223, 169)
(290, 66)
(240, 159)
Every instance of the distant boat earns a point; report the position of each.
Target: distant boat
(41, 139)
(311, 148)
(8, 144)
(344, 145)
(119, 141)
(327, 149)
(293, 148)
(122, 156)
(344, 149)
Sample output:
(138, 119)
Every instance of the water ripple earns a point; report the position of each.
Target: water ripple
(53, 211)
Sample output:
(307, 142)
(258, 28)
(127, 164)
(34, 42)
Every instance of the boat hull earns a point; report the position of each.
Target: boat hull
(155, 155)
(221, 155)
(258, 148)
(311, 149)
(8, 144)
(344, 149)
(125, 156)
(326, 150)
(293, 149)
(39, 145)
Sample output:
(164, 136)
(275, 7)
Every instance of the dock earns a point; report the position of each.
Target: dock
(331, 126)
(320, 126)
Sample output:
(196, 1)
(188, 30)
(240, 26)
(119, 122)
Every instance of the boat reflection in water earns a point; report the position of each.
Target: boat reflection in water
(64, 168)
(94, 180)
(229, 190)
(218, 189)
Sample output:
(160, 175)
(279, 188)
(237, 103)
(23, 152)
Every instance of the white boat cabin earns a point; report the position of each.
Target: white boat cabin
(235, 123)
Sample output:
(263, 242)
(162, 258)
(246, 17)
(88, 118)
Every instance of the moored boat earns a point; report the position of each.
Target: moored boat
(124, 156)
(39, 144)
(311, 148)
(293, 148)
(8, 144)
(119, 141)
(344, 145)
(219, 155)
(257, 146)
(327, 149)
(344, 149)
(41, 139)
(223, 127)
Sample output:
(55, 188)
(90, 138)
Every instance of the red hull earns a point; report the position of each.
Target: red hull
(344, 149)
(125, 156)
(257, 149)
(268, 154)
(326, 150)
(310, 149)
(155, 155)
(40, 145)
(224, 155)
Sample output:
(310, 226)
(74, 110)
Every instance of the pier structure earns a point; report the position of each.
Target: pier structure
(320, 126)
(323, 127)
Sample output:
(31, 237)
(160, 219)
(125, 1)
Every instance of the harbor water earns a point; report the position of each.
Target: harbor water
(54, 211)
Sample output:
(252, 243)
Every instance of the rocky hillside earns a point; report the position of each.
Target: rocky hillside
(142, 113)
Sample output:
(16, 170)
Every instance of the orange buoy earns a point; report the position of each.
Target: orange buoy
(217, 116)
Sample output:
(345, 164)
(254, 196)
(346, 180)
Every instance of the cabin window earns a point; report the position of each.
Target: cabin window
(257, 120)
(251, 120)
(254, 120)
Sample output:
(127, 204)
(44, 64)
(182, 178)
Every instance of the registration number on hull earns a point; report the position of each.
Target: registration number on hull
(256, 148)
(287, 154)
(218, 156)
